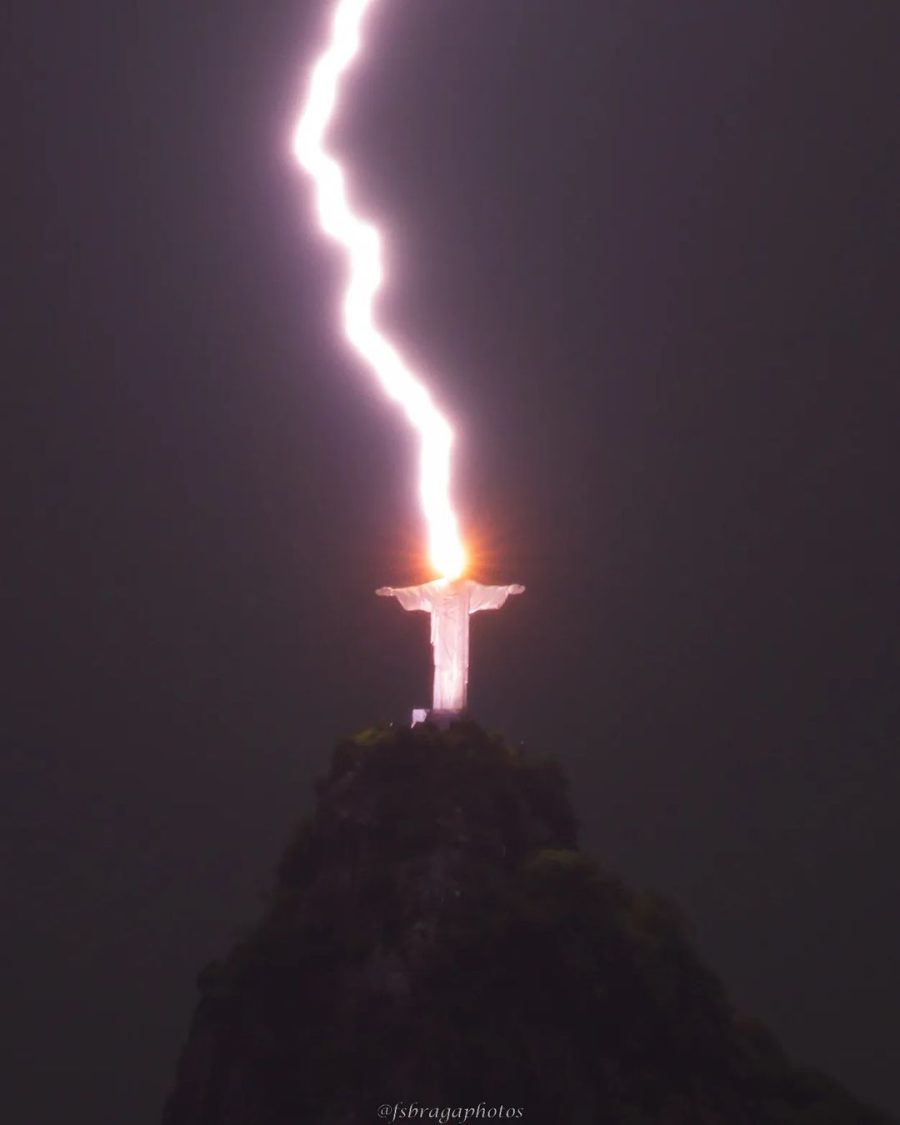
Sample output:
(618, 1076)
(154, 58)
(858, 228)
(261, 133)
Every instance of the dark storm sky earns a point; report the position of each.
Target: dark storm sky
(646, 252)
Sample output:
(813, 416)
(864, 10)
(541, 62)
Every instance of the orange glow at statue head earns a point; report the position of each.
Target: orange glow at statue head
(448, 555)
(362, 245)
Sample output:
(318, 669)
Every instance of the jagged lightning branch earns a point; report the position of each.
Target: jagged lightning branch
(361, 241)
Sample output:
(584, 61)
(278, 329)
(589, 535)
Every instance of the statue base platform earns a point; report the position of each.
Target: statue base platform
(441, 719)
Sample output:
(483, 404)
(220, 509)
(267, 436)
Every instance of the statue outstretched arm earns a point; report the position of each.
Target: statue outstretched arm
(410, 597)
(491, 597)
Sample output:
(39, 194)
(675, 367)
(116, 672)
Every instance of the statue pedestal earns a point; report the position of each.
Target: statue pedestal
(441, 719)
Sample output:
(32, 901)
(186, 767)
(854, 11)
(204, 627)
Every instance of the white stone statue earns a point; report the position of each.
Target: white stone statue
(450, 601)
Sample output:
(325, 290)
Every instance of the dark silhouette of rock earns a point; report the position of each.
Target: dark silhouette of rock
(436, 937)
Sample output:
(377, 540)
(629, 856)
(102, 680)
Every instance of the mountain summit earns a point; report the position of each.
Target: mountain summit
(436, 942)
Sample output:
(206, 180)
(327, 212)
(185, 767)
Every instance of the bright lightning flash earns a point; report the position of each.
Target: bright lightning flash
(361, 241)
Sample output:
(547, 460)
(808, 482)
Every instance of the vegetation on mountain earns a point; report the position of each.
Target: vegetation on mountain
(435, 935)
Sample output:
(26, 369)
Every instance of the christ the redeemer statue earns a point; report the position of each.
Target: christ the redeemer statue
(450, 601)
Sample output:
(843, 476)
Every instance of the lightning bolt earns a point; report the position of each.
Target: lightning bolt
(361, 242)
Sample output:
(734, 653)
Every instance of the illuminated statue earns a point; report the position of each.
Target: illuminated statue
(450, 601)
